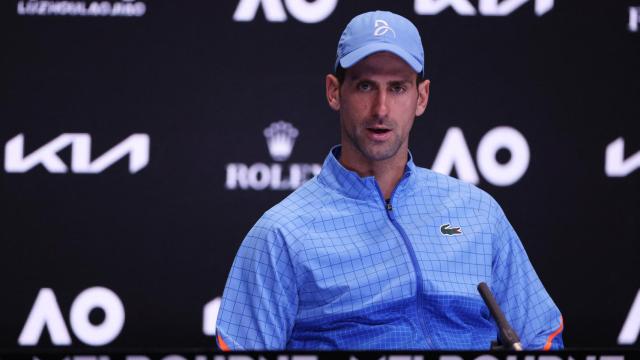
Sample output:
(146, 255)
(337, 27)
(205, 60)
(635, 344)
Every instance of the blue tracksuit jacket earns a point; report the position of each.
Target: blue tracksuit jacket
(334, 266)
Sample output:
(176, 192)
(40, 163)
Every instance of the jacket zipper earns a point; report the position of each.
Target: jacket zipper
(414, 259)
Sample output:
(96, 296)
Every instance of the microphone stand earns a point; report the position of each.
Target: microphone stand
(508, 337)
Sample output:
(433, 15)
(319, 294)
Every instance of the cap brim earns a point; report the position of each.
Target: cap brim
(353, 57)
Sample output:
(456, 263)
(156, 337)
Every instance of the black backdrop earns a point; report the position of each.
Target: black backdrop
(202, 87)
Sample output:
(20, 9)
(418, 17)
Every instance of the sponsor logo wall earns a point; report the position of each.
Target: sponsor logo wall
(126, 8)
(15, 161)
(141, 141)
(281, 137)
(634, 18)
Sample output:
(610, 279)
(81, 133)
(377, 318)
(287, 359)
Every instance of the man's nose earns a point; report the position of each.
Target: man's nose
(380, 107)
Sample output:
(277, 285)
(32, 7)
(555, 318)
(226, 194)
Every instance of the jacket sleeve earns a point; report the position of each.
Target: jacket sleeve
(260, 298)
(519, 292)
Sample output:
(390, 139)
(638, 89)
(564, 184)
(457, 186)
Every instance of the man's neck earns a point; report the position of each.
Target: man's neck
(386, 172)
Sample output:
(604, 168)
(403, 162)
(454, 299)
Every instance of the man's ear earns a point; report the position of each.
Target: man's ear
(423, 97)
(332, 87)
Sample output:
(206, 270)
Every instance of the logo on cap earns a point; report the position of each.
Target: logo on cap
(382, 27)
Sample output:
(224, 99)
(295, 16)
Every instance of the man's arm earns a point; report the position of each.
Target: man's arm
(260, 298)
(521, 295)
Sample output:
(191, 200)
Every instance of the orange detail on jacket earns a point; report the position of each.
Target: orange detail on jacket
(547, 346)
(222, 344)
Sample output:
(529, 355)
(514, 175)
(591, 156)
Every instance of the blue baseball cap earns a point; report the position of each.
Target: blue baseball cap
(378, 31)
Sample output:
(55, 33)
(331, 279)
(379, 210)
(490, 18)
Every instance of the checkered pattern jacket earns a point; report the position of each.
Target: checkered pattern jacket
(336, 266)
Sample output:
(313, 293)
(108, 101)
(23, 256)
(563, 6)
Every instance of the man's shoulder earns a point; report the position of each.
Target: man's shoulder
(448, 189)
(297, 210)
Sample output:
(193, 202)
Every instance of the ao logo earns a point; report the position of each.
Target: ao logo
(281, 137)
(136, 146)
(46, 312)
(303, 10)
(631, 328)
(210, 316)
(454, 153)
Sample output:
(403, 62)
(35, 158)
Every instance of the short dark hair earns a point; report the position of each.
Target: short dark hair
(340, 74)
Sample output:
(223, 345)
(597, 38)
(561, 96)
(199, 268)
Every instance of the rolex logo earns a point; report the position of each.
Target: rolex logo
(281, 136)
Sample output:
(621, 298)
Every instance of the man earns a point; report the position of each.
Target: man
(375, 252)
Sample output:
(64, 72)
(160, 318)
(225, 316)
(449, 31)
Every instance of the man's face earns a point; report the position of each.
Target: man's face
(378, 101)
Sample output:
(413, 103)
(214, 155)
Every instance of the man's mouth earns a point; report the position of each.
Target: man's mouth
(379, 134)
(378, 130)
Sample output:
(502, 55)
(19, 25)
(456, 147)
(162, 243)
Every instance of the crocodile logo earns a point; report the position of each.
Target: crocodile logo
(446, 230)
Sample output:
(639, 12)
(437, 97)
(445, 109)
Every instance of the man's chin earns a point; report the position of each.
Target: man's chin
(379, 153)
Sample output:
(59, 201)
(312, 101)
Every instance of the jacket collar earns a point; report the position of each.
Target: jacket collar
(350, 184)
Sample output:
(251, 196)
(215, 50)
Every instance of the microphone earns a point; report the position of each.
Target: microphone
(507, 335)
